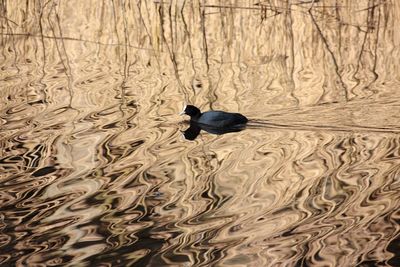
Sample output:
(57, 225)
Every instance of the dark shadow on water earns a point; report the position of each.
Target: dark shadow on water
(194, 130)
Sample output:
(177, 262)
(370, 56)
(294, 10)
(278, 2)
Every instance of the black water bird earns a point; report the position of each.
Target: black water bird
(215, 118)
(213, 121)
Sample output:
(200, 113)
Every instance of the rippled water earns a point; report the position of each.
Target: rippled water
(94, 170)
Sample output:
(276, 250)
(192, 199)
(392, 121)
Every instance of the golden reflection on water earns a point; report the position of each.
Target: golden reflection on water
(93, 168)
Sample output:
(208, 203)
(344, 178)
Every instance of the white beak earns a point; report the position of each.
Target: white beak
(183, 110)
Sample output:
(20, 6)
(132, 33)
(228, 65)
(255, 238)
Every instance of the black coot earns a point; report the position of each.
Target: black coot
(215, 119)
(215, 122)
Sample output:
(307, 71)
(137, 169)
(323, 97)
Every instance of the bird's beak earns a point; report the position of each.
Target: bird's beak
(183, 110)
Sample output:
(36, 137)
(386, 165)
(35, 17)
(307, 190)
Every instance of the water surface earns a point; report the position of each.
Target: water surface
(94, 170)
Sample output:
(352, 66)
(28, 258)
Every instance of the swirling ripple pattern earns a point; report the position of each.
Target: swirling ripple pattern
(93, 167)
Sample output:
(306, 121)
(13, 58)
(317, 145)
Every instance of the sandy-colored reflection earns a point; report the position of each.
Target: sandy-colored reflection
(93, 169)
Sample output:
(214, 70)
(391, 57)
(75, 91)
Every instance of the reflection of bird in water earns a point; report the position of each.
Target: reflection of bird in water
(214, 121)
(194, 130)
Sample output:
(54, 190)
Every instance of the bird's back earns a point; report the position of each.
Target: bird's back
(222, 119)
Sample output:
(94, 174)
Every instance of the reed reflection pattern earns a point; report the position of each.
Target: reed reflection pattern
(93, 168)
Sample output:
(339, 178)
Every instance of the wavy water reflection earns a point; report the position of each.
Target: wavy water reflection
(93, 168)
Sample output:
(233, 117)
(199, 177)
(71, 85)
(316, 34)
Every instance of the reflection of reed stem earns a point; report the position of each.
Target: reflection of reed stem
(66, 64)
(289, 25)
(126, 67)
(66, 38)
(203, 30)
(43, 49)
(187, 33)
(171, 52)
(375, 54)
(330, 52)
